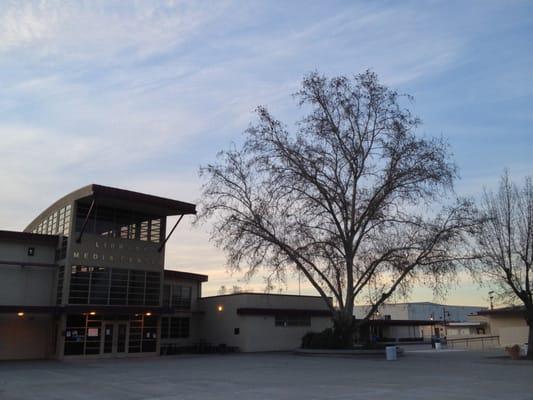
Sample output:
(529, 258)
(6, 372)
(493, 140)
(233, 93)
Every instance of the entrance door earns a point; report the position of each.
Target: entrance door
(115, 337)
(122, 330)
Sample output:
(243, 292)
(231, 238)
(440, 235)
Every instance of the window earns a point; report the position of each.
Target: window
(99, 286)
(175, 328)
(144, 235)
(166, 295)
(118, 223)
(177, 296)
(60, 279)
(152, 288)
(136, 287)
(79, 285)
(55, 223)
(61, 252)
(113, 286)
(118, 294)
(289, 320)
(59, 288)
(155, 230)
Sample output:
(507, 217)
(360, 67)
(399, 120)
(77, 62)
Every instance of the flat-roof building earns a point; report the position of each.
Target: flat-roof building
(419, 321)
(508, 323)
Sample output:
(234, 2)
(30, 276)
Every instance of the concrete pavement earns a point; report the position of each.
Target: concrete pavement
(418, 375)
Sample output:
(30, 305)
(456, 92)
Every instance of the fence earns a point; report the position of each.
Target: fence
(474, 343)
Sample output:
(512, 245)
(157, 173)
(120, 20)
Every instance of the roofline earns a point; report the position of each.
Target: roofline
(290, 311)
(184, 275)
(186, 208)
(422, 302)
(28, 236)
(397, 322)
(263, 294)
(513, 310)
(93, 189)
(70, 308)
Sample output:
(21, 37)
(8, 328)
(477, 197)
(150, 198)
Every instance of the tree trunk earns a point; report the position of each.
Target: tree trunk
(530, 337)
(344, 329)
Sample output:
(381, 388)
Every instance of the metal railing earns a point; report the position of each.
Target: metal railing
(474, 343)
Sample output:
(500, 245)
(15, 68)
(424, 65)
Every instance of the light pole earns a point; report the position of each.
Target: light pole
(444, 312)
(491, 298)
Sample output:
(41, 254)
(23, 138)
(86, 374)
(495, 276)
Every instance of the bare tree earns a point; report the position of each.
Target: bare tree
(343, 200)
(504, 245)
(222, 290)
(236, 289)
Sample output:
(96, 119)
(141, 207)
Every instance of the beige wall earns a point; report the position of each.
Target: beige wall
(29, 337)
(511, 329)
(257, 333)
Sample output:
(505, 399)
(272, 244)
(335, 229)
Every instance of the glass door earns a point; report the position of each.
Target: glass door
(114, 338)
(109, 329)
(122, 330)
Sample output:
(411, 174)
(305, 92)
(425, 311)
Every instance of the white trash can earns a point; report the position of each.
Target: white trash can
(438, 346)
(390, 351)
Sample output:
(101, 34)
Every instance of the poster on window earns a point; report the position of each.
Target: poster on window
(92, 332)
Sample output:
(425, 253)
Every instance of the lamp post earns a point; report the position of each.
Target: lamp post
(491, 298)
(444, 313)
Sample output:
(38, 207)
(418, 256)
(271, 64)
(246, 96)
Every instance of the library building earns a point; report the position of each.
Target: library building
(87, 278)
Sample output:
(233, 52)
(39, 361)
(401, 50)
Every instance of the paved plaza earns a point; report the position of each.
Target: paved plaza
(418, 375)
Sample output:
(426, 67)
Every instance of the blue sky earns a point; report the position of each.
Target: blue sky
(138, 94)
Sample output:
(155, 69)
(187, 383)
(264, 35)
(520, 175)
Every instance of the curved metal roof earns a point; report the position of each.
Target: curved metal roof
(120, 198)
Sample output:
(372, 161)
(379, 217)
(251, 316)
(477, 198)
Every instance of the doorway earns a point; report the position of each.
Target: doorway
(115, 337)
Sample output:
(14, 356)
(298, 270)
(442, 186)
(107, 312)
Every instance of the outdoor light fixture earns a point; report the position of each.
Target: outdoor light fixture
(92, 313)
(148, 314)
(220, 308)
(20, 314)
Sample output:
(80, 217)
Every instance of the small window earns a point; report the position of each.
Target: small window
(236, 331)
(31, 251)
(284, 320)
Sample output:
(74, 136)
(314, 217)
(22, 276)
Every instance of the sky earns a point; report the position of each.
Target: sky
(139, 94)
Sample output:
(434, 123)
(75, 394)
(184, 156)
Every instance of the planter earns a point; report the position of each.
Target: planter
(514, 352)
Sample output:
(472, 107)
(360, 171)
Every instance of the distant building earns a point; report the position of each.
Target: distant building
(420, 311)
(418, 321)
(508, 323)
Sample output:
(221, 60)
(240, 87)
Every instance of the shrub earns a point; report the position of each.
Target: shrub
(326, 339)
